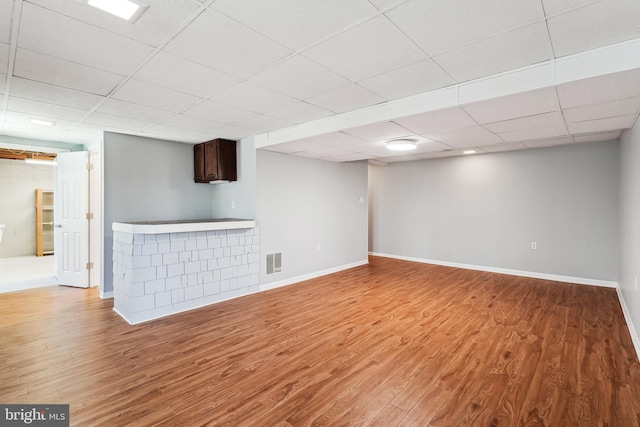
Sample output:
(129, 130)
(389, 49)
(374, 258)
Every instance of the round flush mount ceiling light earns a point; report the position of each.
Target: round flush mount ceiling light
(401, 145)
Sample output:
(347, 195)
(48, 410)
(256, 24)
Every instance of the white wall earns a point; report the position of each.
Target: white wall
(148, 179)
(18, 183)
(630, 228)
(303, 203)
(486, 210)
(242, 193)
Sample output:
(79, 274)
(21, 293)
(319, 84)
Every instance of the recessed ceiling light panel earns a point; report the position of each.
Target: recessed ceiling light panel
(469, 152)
(125, 9)
(401, 145)
(41, 122)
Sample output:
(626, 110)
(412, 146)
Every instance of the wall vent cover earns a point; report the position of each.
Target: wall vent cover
(274, 263)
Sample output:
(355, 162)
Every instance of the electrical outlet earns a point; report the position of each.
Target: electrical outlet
(233, 204)
(318, 247)
(534, 246)
(361, 200)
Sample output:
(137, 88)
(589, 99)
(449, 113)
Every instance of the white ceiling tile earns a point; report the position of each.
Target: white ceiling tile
(437, 122)
(602, 125)
(599, 24)
(183, 75)
(193, 123)
(57, 35)
(115, 107)
(23, 131)
(439, 26)
(155, 96)
(513, 106)
(371, 48)
(524, 123)
(296, 24)
(535, 133)
(506, 51)
(337, 139)
(223, 44)
(415, 78)
(252, 98)
(379, 131)
(347, 157)
(345, 98)
(549, 142)
(53, 111)
(597, 137)
(350, 157)
(6, 15)
(601, 89)
(171, 131)
(37, 91)
(507, 146)
(403, 158)
(289, 147)
(218, 112)
(299, 77)
(608, 109)
(23, 119)
(234, 132)
(466, 137)
(261, 123)
(157, 23)
(117, 122)
(4, 57)
(300, 112)
(47, 69)
(554, 7)
(384, 4)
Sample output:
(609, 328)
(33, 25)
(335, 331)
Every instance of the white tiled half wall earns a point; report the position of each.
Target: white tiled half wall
(156, 275)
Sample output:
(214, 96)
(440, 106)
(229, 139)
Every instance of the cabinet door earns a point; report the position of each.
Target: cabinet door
(227, 169)
(198, 163)
(211, 161)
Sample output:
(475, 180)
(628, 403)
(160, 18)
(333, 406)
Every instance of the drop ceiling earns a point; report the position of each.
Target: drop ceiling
(293, 73)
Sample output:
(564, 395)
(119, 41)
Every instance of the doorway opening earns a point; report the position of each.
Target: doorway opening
(20, 267)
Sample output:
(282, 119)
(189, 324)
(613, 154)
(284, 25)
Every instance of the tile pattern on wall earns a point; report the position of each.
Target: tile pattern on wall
(160, 274)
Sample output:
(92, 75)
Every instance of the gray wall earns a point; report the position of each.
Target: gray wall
(485, 210)
(306, 202)
(148, 179)
(630, 223)
(243, 191)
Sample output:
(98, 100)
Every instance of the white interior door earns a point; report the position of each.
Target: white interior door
(71, 235)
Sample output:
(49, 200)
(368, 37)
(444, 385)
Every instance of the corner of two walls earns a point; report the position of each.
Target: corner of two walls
(629, 276)
(314, 212)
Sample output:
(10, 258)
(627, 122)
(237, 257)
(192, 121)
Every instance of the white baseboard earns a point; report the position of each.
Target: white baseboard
(627, 317)
(106, 295)
(532, 274)
(286, 282)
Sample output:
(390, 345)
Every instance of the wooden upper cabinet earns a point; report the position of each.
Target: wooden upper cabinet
(215, 161)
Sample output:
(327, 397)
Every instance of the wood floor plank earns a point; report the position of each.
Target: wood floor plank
(387, 344)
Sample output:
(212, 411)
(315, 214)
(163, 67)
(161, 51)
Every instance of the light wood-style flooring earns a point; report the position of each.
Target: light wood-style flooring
(393, 343)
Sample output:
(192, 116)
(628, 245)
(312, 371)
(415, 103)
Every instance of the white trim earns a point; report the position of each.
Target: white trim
(630, 326)
(106, 295)
(154, 227)
(309, 276)
(532, 274)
